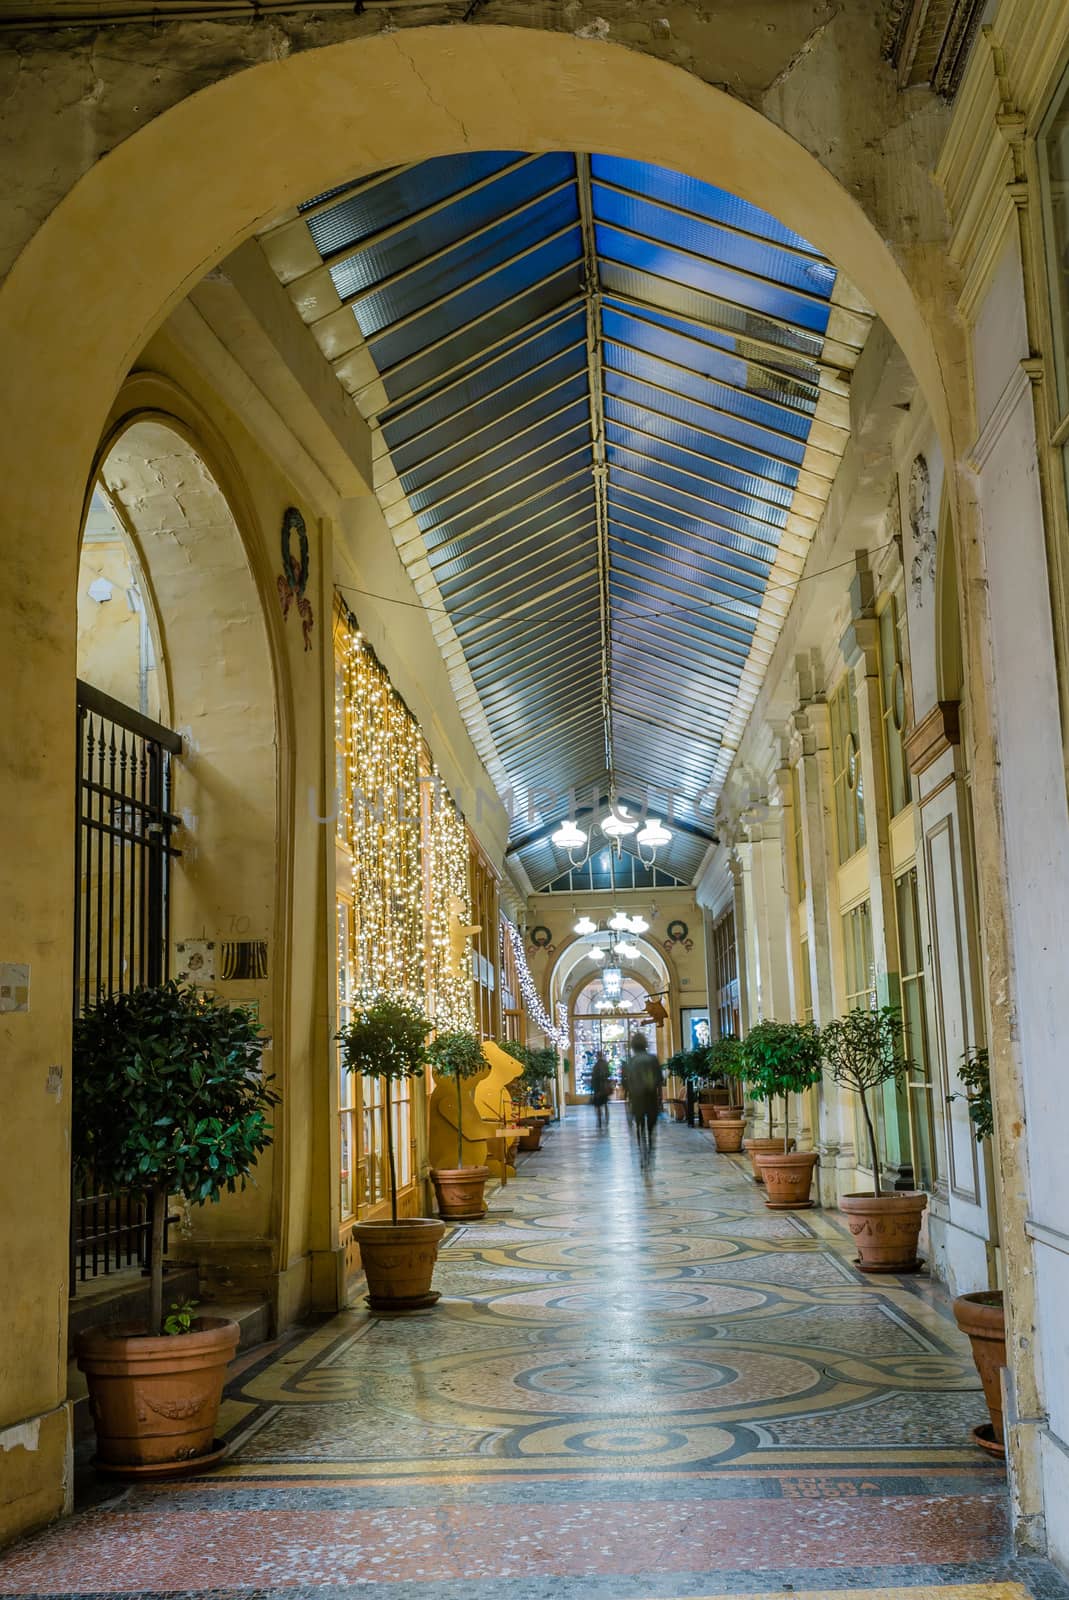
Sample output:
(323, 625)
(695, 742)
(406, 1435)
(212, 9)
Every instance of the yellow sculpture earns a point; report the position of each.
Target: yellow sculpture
(442, 1133)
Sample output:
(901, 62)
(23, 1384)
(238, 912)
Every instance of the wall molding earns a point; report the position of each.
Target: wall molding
(1042, 1234)
(932, 736)
(984, 445)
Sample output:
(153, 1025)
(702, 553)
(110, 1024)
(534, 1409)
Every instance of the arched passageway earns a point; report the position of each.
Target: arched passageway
(291, 130)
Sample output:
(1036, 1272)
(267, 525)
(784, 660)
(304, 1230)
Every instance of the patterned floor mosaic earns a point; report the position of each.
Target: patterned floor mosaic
(631, 1390)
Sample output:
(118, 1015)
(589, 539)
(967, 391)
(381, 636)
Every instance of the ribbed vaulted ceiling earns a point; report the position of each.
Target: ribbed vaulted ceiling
(610, 402)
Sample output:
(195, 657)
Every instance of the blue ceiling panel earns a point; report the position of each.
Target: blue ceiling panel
(600, 379)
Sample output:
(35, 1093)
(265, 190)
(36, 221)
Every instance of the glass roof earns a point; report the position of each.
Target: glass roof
(603, 393)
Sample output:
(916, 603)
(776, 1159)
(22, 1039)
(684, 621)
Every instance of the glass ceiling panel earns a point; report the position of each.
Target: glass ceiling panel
(600, 379)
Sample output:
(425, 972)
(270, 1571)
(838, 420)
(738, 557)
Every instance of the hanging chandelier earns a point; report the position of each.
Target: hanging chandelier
(616, 825)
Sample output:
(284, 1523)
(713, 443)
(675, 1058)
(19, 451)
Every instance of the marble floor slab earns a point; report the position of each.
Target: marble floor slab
(636, 1388)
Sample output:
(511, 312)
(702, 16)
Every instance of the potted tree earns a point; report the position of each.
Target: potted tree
(758, 1144)
(982, 1315)
(169, 1098)
(539, 1066)
(726, 1064)
(727, 1122)
(459, 1190)
(864, 1050)
(783, 1058)
(676, 1067)
(385, 1038)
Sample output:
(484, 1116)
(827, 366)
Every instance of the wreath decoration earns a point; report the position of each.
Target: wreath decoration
(677, 931)
(541, 937)
(296, 574)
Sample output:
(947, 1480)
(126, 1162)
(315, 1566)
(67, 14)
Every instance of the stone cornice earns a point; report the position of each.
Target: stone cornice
(936, 733)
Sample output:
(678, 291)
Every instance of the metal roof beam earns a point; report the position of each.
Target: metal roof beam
(809, 254)
(481, 455)
(471, 366)
(488, 522)
(488, 477)
(720, 559)
(597, 435)
(485, 399)
(462, 288)
(618, 467)
(698, 578)
(760, 278)
(372, 241)
(699, 455)
(759, 451)
(733, 388)
(709, 522)
(392, 279)
(702, 478)
(638, 311)
(781, 352)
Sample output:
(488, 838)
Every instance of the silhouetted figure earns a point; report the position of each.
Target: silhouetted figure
(644, 1085)
(601, 1089)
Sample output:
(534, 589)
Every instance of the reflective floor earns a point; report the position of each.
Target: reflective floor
(631, 1388)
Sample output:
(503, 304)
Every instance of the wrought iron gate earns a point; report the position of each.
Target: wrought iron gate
(123, 854)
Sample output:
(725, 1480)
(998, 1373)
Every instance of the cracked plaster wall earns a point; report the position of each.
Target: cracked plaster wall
(69, 95)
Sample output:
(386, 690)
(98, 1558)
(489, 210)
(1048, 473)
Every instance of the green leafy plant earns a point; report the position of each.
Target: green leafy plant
(169, 1097)
(180, 1314)
(780, 1059)
(863, 1051)
(727, 1058)
(385, 1038)
(456, 1055)
(975, 1076)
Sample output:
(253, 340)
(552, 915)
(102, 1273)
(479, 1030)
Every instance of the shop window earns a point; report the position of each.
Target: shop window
(726, 973)
(858, 966)
(846, 769)
(893, 706)
(348, 1087)
(806, 980)
(860, 973)
(915, 1043)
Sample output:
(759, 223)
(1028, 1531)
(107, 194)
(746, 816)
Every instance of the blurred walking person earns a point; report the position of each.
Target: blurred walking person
(601, 1089)
(644, 1081)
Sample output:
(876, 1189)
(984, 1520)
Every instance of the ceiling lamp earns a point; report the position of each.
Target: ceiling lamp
(612, 981)
(653, 837)
(638, 925)
(630, 952)
(569, 837)
(596, 953)
(620, 922)
(585, 925)
(616, 823)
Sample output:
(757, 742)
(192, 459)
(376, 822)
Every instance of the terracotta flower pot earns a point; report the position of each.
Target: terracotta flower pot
(787, 1178)
(886, 1228)
(755, 1147)
(983, 1317)
(155, 1401)
(531, 1137)
(459, 1191)
(707, 1113)
(398, 1260)
(678, 1109)
(728, 1132)
(727, 1113)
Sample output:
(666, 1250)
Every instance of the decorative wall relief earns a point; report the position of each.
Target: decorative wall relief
(678, 934)
(293, 579)
(922, 530)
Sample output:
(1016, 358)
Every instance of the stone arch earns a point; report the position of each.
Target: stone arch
(187, 516)
(122, 249)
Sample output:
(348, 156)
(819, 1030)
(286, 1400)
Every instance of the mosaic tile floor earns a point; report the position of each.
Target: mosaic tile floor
(631, 1390)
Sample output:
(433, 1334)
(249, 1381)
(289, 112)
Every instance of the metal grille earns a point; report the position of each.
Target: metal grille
(123, 853)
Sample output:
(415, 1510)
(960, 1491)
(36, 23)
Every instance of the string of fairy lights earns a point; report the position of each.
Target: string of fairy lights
(449, 903)
(409, 848)
(556, 1032)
